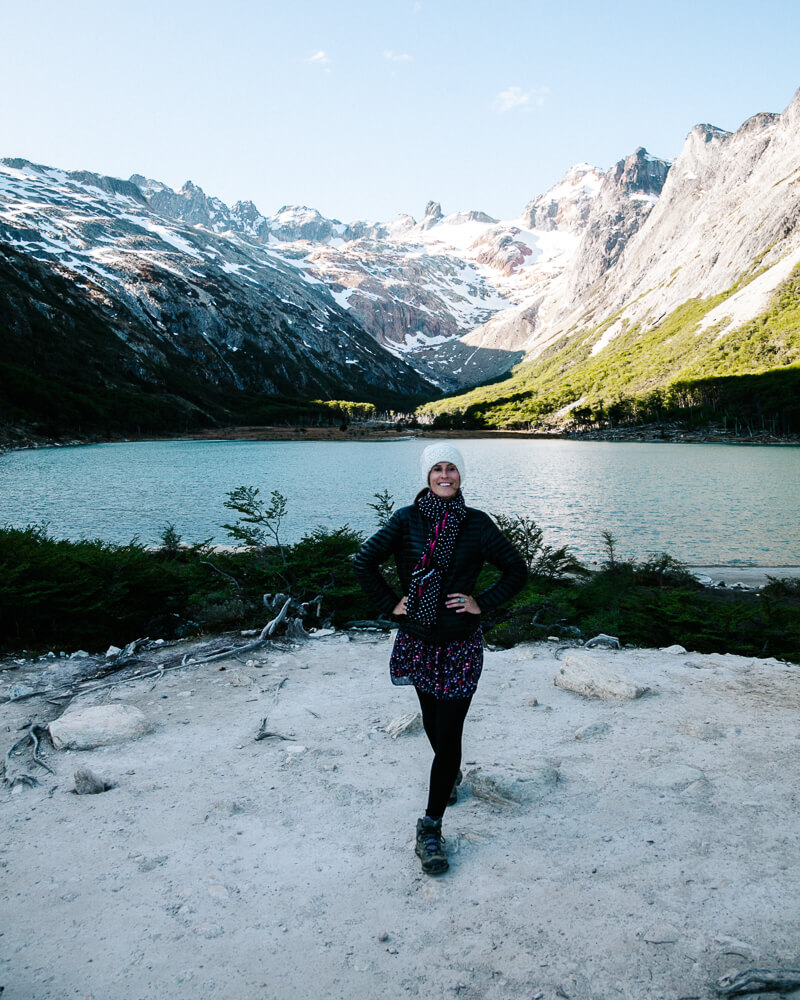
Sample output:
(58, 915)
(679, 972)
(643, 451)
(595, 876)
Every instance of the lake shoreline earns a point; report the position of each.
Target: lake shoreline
(653, 434)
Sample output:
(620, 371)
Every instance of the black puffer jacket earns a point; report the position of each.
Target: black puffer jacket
(479, 541)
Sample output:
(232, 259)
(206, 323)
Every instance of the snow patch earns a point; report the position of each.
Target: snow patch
(419, 339)
(607, 336)
(751, 300)
(164, 234)
(342, 298)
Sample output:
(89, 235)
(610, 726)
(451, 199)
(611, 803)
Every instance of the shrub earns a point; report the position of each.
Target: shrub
(542, 560)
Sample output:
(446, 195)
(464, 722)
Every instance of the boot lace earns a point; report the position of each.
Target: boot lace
(432, 839)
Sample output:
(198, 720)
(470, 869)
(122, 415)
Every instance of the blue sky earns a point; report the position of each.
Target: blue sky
(369, 109)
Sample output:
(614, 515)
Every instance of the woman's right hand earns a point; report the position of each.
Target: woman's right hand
(400, 607)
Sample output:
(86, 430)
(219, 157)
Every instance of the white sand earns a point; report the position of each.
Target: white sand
(220, 867)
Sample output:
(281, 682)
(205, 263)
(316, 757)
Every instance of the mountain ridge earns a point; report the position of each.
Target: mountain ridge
(593, 267)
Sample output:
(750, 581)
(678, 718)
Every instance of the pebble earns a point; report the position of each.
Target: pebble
(88, 783)
(592, 730)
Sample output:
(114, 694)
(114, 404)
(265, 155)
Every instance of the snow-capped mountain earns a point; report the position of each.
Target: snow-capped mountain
(298, 304)
(174, 298)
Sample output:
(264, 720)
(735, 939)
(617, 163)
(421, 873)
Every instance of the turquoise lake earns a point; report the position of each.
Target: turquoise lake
(705, 504)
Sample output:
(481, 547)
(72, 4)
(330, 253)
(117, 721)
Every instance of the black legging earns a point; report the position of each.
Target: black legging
(443, 720)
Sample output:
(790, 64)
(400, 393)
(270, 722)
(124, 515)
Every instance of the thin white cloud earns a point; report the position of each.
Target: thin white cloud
(398, 57)
(515, 97)
(319, 59)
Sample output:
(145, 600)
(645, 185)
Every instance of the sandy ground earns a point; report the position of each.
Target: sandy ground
(222, 867)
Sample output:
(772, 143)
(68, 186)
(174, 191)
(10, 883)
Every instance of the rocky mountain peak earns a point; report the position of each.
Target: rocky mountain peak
(433, 210)
(566, 206)
(299, 222)
(433, 214)
(246, 211)
(639, 173)
(764, 119)
(627, 195)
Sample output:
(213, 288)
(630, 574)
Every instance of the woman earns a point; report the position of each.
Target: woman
(439, 545)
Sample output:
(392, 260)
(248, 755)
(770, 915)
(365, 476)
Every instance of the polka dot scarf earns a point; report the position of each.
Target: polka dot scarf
(445, 518)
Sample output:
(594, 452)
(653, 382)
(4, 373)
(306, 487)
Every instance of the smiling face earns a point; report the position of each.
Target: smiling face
(444, 480)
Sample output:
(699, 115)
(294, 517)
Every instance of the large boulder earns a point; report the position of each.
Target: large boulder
(591, 676)
(98, 726)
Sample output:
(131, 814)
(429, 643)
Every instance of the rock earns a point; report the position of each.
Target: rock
(734, 946)
(602, 641)
(662, 933)
(112, 651)
(675, 776)
(676, 650)
(97, 726)
(593, 730)
(88, 783)
(238, 679)
(591, 676)
(411, 723)
(17, 691)
(79, 654)
(513, 786)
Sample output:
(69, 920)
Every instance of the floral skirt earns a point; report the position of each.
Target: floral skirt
(449, 671)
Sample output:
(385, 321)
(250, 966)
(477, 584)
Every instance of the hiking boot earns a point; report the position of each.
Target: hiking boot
(454, 793)
(430, 846)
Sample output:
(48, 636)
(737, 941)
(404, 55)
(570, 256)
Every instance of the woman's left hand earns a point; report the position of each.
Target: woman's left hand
(463, 602)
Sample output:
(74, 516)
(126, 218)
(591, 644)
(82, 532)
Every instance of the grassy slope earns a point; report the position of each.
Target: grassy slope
(644, 375)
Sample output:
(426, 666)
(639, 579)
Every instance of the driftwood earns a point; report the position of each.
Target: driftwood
(32, 735)
(267, 734)
(207, 562)
(265, 633)
(758, 981)
(374, 623)
(124, 659)
(128, 657)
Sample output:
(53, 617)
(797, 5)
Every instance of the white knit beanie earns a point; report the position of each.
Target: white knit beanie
(441, 452)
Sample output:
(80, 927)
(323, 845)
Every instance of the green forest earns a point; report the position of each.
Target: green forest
(745, 381)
